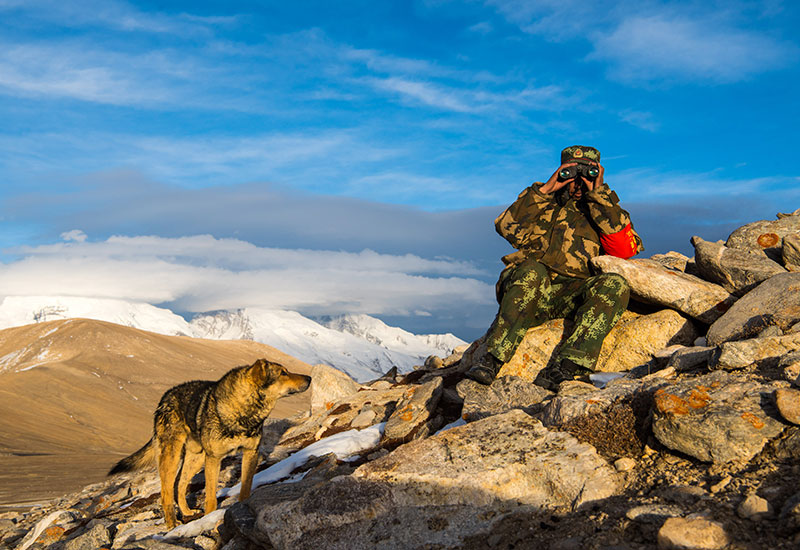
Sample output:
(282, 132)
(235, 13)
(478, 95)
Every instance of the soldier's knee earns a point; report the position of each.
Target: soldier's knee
(613, 284)
(529, 274)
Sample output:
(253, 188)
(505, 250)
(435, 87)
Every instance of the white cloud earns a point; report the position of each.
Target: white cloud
(75, 235)
(661, 47)
(645, 41)
(201, 273)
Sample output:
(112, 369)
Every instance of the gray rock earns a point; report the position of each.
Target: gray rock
(690, 357)
(569, 406)
(415, 408)
(328, 385)
(775, 302)
(96, 537)
(716, 418)
(672, 260)
(737, 270)
(764, 235)
(433, 362)
(790, 364)
(624, 464)
(504, 457)
(791, 252)
(692, 534)
(788, 403)
(339, 415)
(764, 351)
(444, 488)
(504, 394)
(790, 512)
(652, 283)
(754, 507)
(653, 513)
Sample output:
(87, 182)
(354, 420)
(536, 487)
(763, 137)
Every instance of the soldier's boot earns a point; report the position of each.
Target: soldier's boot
(485, 370)
(550, 377)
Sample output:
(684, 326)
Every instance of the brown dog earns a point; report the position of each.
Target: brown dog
(202, 421)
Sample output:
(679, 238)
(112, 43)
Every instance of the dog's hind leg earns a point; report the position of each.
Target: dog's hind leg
(192, 463)
(212, 476)
(168, 461)
(249, 463)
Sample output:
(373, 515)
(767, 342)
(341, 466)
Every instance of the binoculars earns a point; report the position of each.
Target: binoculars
(588, 171)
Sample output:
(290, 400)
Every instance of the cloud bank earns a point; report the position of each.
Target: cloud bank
(202, 273)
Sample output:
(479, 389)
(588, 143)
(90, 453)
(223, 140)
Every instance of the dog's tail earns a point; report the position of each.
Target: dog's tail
(140, 459)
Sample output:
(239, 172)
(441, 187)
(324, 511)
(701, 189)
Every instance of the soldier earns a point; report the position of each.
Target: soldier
(557, 227)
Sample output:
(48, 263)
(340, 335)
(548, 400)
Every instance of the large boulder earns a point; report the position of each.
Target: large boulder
(737, 270)
(536, 350)
(764, 351)
(632, 342)
(636, 339)
(775, 302)
(444, 488)
(765, 235)
(329, 385)
(653, 283)
(718, 417)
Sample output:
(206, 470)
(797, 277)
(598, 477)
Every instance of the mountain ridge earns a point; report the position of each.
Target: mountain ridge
(360, 345)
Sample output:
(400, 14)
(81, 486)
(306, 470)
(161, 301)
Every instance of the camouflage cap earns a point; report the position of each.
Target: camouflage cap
(579, 153)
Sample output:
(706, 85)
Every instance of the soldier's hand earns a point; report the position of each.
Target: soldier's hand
(598, 181)
(554, 184)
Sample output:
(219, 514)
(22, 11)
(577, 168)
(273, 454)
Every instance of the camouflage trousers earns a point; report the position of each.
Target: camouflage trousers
(529, 296)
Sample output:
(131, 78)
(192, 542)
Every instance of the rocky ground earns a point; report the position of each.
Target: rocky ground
(694, 445)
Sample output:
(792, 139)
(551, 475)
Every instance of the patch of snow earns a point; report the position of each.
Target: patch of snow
(345, 445)
(600, 379)
(454, 424)
(39, 528)
(197, 527)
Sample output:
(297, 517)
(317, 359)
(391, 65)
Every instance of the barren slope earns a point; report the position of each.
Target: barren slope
(77, 395)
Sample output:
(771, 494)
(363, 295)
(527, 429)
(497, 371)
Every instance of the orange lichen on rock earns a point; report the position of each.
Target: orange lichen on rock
(698, 398)
(52, 534)
(669, 403)
(768, 239)
(754, 420)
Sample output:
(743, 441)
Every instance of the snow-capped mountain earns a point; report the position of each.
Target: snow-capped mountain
(360, 345)
(25, 310)
(394, 338)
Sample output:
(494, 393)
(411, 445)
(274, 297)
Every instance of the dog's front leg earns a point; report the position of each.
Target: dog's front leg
(249, 463)
(212, 475)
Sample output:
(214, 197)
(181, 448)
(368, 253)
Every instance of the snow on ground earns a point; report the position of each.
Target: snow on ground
(197, 527)
(345, 445)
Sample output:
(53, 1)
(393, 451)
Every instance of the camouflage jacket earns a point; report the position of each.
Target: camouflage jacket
(564, 234)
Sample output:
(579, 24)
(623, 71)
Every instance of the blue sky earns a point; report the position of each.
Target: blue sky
(399, 128)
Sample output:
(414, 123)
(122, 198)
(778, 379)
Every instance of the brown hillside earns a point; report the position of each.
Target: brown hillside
(76, 395)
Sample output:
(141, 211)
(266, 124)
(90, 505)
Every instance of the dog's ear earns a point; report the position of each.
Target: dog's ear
(265, 372)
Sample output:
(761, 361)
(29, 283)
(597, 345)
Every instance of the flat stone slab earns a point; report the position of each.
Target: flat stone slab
(655, 284)
(765, 351)
(438, 490)
(716, 418)
(775, 302)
